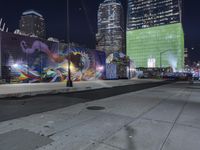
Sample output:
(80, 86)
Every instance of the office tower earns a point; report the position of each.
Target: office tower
(32, 23)
(155, 35)
(111, 35)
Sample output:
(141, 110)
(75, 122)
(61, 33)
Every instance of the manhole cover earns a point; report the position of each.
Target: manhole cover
(95, 108)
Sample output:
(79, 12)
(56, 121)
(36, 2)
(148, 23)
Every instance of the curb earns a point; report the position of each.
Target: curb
(55, 91)
(52, 92)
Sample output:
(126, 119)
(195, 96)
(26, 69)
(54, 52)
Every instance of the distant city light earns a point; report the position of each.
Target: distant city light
(131, 69)
(15, 65)
(100, 68)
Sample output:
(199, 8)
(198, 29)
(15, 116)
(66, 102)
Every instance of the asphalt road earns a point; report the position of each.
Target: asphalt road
(12, 108)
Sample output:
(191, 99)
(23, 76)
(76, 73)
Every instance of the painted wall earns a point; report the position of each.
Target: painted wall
(146, 44)
(36, 60)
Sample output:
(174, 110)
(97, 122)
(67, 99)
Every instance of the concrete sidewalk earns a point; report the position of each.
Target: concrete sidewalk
(31, 89)
(160, 118)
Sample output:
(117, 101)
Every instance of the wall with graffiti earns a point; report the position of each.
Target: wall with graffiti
(35, 60)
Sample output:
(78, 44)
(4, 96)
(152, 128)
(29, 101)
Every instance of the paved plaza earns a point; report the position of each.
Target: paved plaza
(160, 118)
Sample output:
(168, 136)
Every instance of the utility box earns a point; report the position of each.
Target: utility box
(111, 72)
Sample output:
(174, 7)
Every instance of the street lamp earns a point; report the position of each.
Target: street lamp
(69, 81)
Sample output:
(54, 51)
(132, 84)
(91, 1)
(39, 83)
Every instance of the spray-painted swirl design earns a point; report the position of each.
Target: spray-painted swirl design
(44, 64)
(38, 45)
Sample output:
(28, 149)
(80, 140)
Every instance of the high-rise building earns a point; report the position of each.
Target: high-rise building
(32, 23)
(111, 35)
(155, 33)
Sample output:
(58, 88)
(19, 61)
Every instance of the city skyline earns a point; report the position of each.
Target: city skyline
(55, 13)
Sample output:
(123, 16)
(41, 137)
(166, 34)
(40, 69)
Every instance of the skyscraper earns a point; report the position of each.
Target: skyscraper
(111, 35)
(32, 23)
(154, 33)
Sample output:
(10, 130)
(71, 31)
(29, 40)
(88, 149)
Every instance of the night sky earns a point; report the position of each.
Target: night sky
(84, 23)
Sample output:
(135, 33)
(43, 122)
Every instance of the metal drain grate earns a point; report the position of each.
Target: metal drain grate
(95, 108)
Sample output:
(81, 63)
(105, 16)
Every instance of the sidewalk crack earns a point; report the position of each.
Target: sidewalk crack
(174, 123)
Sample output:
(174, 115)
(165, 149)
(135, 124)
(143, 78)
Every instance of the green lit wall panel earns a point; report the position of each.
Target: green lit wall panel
(150, 42)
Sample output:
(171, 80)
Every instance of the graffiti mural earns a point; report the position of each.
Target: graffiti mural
(42, 61)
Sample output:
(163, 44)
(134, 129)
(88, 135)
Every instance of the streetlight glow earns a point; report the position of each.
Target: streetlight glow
(15, 65)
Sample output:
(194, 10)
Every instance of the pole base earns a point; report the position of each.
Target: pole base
(69, 83)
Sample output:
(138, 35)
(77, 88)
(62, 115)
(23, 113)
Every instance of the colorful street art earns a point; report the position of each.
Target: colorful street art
(40, 61)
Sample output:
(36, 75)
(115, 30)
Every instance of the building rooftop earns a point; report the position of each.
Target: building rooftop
(32, 12)
(111, 1)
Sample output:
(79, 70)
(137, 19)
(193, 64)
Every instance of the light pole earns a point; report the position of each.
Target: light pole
(129, 63)
(69, 81)
(198, 69)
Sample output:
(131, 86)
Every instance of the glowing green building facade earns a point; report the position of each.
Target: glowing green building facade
(154, 37)
(156, 43)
